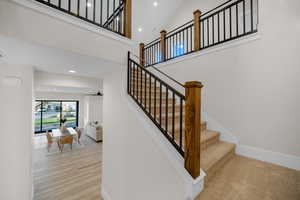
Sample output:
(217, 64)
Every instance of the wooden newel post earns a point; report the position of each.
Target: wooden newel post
(142, 54)
(192, 128)
(163, 45)
(197, 29)
(128, 18)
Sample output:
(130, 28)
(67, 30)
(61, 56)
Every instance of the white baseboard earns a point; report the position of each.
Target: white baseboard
(285, 160)
(105, 195)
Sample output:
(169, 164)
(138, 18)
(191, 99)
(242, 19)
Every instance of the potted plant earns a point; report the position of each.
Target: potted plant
(63, 124)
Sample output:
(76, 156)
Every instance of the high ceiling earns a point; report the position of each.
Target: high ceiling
(51, 57)
(152, 19)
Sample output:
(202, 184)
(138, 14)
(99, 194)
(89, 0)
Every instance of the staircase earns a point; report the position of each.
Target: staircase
(167, 111)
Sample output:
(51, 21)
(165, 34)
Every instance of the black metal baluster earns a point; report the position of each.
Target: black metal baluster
(244, 16)
(59, 3)
(101, 12)
(181, 121)
(133, 83)
(224, 24)
(114, 6)
(78, 7)
(185, 50)
(86, 9)
(141, 88)
(120, 21)
(150, 95)
(207, 24)
(218, 27)
(203, 33)
(230, 19)
(237, 19)
(152, 52)
(173, 117)
(160, 102)
(213, 29)
(191, 39)
(107, 10)
(137, 83)
(167, 48)
(94, 11)
(167, 104)
(145, 87)
(155, 99)
(251, 10)
(173, 44)
(69, 5)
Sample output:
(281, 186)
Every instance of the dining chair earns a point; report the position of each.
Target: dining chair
(50, 140)
(67, 139)
(79, 134)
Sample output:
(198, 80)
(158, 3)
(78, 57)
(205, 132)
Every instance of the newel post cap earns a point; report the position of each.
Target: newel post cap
(197, 12)
(163, 32)
(193, 84)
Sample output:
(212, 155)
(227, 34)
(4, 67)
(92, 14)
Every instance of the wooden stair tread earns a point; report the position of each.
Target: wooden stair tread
(213, 154)
(208, 135)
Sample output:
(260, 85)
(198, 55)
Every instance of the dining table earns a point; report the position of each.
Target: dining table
(56, 133)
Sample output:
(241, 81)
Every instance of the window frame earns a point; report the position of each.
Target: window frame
(61, 111)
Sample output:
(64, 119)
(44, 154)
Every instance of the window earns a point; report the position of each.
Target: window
(48, 114)
(179, 50)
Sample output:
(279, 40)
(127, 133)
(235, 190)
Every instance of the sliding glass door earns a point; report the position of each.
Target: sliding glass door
(48, 114)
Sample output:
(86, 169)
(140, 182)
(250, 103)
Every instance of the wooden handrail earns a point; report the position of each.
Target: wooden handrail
(192, 128)
(128, 18)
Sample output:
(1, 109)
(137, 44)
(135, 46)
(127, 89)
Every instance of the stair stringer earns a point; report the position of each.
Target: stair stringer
(138, 162)
(193, 187)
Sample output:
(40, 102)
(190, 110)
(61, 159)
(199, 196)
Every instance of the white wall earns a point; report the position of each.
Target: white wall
(69, 34)
(52, 60)
(93, 109)
(65, 96)
(252, 90)
(134, 167)
(16, 132)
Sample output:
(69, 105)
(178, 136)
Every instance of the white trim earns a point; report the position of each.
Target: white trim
(220, 47)
(105, 195)
(44, 9)
(276, 158)
(289, 161)
(225, 135)
(194, 188)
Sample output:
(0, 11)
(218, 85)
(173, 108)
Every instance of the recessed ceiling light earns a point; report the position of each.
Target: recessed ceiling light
(89, 4)
(140, 29)
(155, 4)
(72, 71)
(118, 18)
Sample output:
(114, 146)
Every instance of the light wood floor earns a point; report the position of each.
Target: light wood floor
(76, 175)
(71, 175)
(248, 179)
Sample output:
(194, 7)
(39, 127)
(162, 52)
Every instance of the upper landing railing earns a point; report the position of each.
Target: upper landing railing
(229, 21)
(113, 15)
